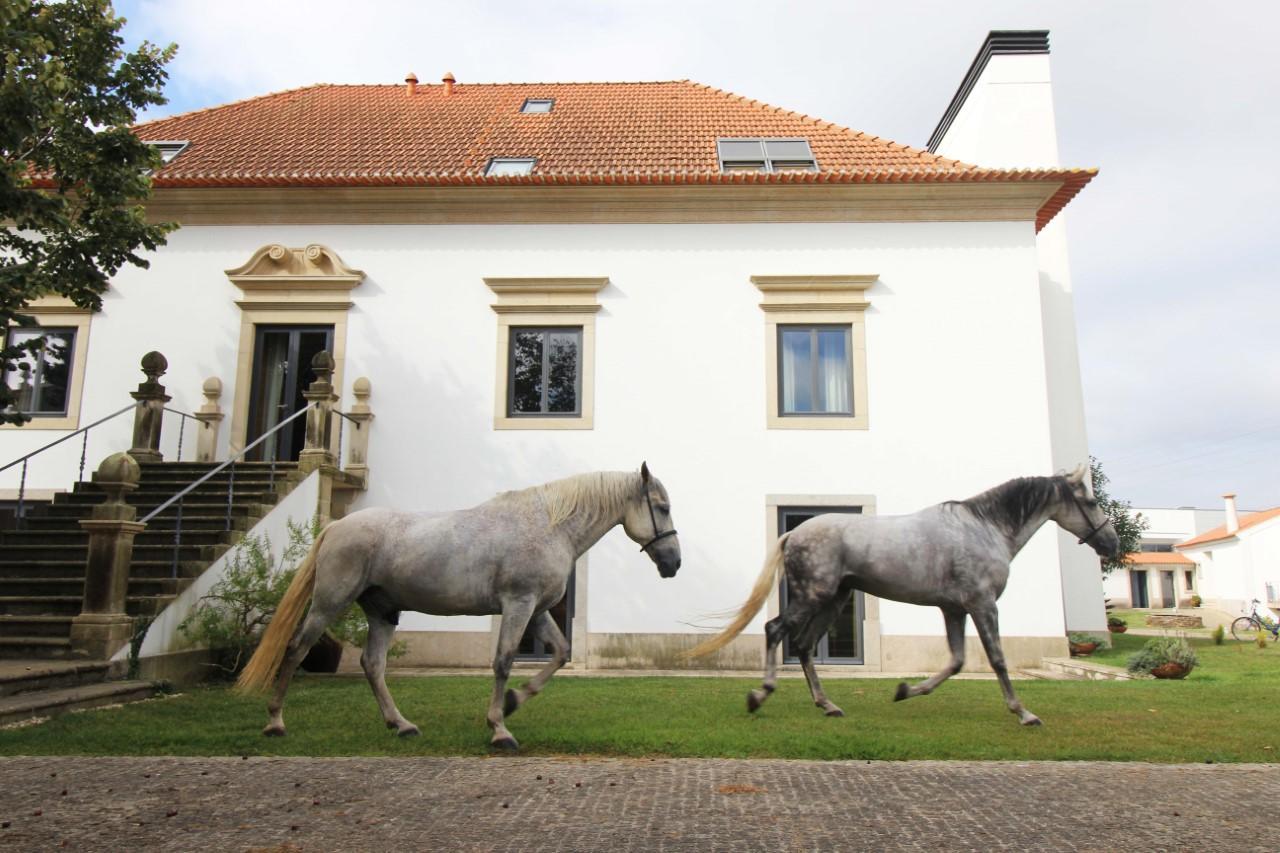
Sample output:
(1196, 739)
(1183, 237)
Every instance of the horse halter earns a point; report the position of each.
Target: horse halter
(1093, 528)
(653, 519)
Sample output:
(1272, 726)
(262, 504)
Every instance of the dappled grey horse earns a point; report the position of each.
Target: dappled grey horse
(510, 555)
(954, 556)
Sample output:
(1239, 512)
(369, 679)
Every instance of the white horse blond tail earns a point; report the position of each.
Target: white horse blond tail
(261, 670)
(765, 585)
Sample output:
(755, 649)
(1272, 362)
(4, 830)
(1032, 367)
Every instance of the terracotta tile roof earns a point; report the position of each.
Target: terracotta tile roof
(1158, 558)
(1220, 532)
(597, 133)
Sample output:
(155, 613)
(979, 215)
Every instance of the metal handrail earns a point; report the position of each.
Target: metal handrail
(84, 449)
(231, 484)
(182, 426)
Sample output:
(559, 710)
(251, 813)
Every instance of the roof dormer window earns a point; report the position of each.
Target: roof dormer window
(538, 105)
(766, 155)
(499, 166)
(170, 149)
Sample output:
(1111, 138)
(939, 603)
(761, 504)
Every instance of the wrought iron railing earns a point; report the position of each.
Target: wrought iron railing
(84, 449)
(231, 482)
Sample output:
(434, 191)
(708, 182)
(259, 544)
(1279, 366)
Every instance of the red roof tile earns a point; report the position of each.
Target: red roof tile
(1221, 532)
(598, 133)
(1159, 558)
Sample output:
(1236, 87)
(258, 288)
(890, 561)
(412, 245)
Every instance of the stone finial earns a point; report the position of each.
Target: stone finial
(118, 475)
(322, 363)
(154, 364)
(212, 390)
(361, 389)
(210, 417)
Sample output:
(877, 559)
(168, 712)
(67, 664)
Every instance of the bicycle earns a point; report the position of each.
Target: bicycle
(1245, 628)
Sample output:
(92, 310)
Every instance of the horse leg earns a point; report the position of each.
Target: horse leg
(808, 643)
(303, 639)
(548, 632)
(987, 622)
(831, 709)
(515, 618)
(774, 630)
(955, 640)
(374, 663)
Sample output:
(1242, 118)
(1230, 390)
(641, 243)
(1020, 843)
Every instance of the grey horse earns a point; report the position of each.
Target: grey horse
(510, 555)
(954, 556)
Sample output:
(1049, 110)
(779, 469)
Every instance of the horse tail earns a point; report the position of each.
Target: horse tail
(765, 584)
(263, 666)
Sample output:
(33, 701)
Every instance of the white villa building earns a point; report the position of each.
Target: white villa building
(526, 281)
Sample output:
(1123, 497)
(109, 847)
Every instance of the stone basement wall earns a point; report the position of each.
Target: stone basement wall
(1170, 621)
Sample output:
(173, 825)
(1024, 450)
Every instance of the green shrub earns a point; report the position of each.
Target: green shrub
(230, 618)
(1219, 635)
(1081, 639)
(1161, 650)
(1196, 601)
(1262, 639)
(1116, 621)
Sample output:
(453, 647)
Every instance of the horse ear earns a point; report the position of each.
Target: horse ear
(1077, 476)
(644, 472)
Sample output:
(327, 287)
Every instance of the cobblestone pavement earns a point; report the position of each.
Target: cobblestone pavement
(524, 804)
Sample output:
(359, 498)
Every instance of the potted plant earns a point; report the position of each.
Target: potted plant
(1196, 600)
(1165, 657)
(1116, 625)
(1081, 645)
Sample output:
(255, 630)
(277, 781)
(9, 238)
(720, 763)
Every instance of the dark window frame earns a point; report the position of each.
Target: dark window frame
(512, 333)
(766, 163)
(814, 328)
(37, 381)
(860, 604)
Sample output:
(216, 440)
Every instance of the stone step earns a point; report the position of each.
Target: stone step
(35, 626)
(28, 676)
(194, 508)
(1081, 669)
(35, 647)
(69, 605)
(37, 526)
(149, 499)
(79, 538)
(24, 554)
(49, 703)
(74, 586)
(71, 568)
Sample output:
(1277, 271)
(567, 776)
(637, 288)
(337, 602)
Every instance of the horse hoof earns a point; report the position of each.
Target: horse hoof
(506, 744)
(754, 700)
(904, 691)
(408, 730)
(1031, 720)
(834, 712)
(273, 730)
(511, 704)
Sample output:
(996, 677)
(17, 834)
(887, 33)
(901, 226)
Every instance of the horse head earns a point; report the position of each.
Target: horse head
(648, 522)
(1079, 513)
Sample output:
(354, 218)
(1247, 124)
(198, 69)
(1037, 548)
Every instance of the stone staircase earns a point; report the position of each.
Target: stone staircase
(47, 688)
(42, 567)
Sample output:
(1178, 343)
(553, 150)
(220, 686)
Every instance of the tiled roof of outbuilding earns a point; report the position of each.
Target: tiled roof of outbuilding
(597, 133)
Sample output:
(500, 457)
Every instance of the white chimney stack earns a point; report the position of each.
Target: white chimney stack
(1233, 520)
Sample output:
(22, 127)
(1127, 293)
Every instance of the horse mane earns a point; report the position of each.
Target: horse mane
(1013, 504)
(601, 494)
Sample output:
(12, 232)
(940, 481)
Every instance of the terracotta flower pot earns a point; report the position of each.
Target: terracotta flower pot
(1170, 670)
(1082, 650)
(1117, 629)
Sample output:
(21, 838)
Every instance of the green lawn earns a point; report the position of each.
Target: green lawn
(1225, 711)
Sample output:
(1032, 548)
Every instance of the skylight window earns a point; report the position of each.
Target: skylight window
(510, 166)
(171, 149)
(538, 105)
(766, 155)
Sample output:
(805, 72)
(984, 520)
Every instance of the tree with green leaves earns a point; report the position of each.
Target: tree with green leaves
(1128, 526)
(73, 175)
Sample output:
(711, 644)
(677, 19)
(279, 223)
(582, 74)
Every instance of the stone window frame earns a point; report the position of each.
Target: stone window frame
(288, 286)
(60, 313)
(545, 301)
(871, 605)
(815, 300)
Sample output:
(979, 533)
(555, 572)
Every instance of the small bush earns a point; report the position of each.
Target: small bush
(1219, 635)
(1196, 601)
(1081, 639)
(1262, 639)
(1161, 650)
(231, 617)
(1116, 621)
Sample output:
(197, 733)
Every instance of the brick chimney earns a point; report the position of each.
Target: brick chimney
(448, 82)
(411, 83)
(1233, 520)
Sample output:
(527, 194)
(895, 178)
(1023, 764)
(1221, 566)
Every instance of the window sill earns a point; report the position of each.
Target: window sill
(817, 422)
(43, 423)
(584, 422)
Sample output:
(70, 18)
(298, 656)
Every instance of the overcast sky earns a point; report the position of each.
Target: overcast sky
(1173, 246)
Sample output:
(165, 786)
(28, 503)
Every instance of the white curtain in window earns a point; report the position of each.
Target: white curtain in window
(834, 372)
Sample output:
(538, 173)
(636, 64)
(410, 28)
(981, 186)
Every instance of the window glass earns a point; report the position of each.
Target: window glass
(731, 149)
(815, 375)
(788, 149)
(537, 105)
(510, 166)
(546, 368)
(40, 380)
(767, 155)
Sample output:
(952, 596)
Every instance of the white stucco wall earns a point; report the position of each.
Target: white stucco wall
(958, 395)
(1236, 571)
(299, 506)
